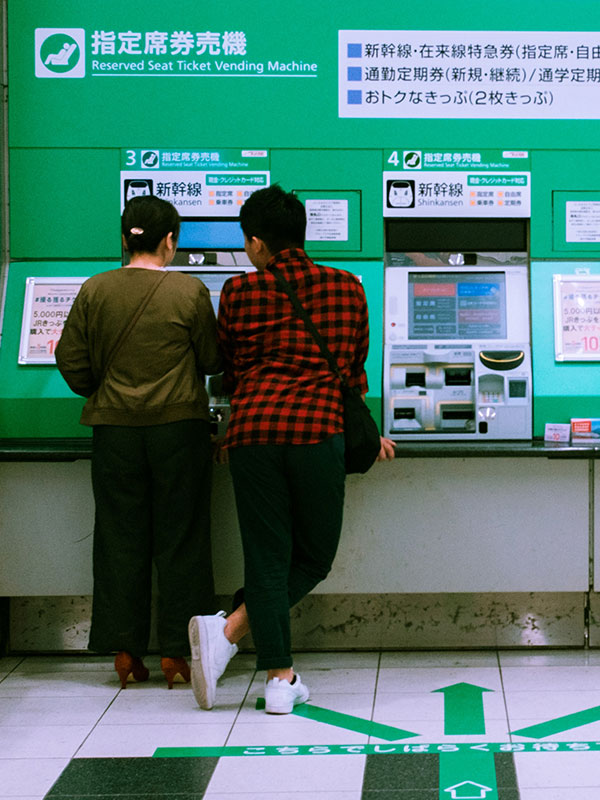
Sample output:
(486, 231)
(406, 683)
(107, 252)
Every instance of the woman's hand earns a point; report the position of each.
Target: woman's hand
(388, 450)
(220, 455)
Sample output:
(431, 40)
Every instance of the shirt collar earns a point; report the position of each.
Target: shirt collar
(286, 256)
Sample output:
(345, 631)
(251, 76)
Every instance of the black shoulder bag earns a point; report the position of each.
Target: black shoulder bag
(361, 435)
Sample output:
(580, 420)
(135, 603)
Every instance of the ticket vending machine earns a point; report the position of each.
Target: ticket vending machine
(212, 249)
(457, 353)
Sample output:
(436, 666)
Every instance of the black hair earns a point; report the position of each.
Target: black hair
(154, 217)
(275, 216)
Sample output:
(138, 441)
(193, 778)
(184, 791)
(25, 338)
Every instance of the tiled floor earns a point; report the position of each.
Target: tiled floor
(64, 722)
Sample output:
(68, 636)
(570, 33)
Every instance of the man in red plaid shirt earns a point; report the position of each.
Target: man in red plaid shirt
(284, 438)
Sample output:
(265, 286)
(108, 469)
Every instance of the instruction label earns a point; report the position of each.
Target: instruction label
(402, 74)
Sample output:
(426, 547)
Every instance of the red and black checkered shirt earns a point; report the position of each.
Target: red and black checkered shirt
(282, 388)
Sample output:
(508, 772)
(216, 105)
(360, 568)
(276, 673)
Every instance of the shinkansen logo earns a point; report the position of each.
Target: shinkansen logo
(59, 52)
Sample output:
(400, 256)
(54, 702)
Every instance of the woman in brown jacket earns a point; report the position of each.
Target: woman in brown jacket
(138, 344)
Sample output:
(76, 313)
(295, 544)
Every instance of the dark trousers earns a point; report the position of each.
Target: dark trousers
(290, 501)
(152, 491)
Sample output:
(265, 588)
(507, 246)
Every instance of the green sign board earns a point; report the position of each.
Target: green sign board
(198, 158)
(456, 160)
(200, 182)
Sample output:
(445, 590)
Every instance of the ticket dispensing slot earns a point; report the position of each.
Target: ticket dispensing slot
(457, 356)
(434, 395)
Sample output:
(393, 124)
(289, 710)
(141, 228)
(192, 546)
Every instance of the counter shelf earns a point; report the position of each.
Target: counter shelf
(73, 449)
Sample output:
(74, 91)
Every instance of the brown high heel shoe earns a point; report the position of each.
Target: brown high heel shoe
(126, 664)
(173, 667)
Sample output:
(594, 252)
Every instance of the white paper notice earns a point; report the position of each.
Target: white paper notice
(326, 220)
(583, 221)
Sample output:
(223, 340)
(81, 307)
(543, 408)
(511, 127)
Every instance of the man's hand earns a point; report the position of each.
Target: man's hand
(220, 455)
(388, 450)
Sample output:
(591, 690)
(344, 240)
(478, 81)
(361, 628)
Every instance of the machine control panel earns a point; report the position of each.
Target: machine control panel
(457, 355)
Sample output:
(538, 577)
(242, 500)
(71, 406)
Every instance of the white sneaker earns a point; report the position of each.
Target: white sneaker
(211, 652)
(281, 696)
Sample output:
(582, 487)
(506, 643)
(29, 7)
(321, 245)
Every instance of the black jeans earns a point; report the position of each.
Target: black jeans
(290, 501)
(152, 491)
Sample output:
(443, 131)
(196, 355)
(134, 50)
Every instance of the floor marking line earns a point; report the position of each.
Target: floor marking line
(560, 724)
(347, 721)
(445, 748)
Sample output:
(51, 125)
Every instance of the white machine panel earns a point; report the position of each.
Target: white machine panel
(457, 355)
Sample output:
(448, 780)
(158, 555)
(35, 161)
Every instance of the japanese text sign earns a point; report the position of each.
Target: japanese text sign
(577, 317)
(469, 74)
(45, 310)
(198, 182)
(453, 183)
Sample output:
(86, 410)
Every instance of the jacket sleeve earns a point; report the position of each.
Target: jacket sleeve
(204, 336)
(72, 352)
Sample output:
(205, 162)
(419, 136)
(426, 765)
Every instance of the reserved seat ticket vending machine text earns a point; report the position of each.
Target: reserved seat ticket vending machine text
(457, 355)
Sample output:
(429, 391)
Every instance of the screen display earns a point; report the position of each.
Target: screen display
(455, 235)
(457, 305)
(214, 284)
(214, 280)
(211, 234)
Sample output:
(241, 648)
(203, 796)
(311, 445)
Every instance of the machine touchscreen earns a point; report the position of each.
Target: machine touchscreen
(456, 305)
(214, 283)
(211, 234)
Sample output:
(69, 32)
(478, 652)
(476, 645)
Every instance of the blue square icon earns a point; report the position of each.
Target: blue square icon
(354, 97)
(354, 50)
(354, 73)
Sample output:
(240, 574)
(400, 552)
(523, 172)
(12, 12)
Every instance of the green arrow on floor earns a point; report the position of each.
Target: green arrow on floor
(560, 724)
(463, 709)
(468, 775)
(472, 774)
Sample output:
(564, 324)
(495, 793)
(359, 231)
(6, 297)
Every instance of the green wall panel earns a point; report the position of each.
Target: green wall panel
(561, 389)
(371, 276)
(361, 170)
(117, 111)
(555, 172)
(64, 203)
(39, 418)
(561, 408)
(34, 399)
(65, 137)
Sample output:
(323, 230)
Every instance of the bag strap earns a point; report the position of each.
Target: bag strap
(310, 325)
(130, 325)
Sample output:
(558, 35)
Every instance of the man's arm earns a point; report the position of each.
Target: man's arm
(358, 377)
(387, 451)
